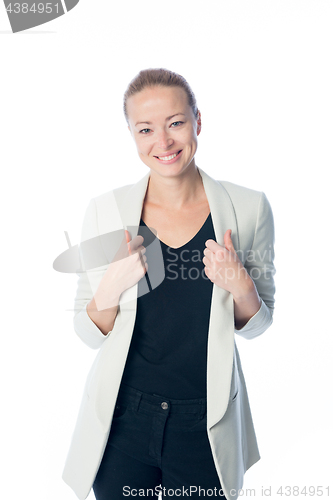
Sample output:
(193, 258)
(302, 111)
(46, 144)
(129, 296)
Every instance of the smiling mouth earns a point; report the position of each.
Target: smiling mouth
(167, 158)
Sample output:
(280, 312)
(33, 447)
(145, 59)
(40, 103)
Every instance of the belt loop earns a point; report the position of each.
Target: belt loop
(137, 401)
(202, 409)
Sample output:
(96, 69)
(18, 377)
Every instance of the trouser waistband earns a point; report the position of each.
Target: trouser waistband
(135, 399)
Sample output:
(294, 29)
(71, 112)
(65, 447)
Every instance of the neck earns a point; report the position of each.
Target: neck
(175, 193)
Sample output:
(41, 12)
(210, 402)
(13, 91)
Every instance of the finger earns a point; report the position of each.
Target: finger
(213, 246)
(228, 241)
(135, 245)
(206, 261)
(208, 253)
(142, 258)
(218, 256)
(128, 239)
(137, 242)
(208, 273)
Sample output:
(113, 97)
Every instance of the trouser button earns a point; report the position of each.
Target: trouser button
(164, 405)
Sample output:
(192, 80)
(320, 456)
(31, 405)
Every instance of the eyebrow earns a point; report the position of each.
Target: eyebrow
(167, 119)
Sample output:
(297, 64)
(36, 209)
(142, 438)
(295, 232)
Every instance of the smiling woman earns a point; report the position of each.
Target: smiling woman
(166, 404)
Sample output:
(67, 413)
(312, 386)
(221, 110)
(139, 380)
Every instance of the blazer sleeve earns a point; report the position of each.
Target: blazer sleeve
(85, 328)
(259, 264)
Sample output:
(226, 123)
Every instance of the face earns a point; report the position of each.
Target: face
(164, 129)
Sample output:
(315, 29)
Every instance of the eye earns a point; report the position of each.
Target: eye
(144, 131)
(176, 122)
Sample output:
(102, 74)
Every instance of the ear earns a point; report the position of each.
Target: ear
(199, 123)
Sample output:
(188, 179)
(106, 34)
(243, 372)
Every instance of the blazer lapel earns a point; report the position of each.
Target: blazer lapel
(130, 205)
(221, 325)
(130, 208)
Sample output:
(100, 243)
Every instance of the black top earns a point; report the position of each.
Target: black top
(168, 351)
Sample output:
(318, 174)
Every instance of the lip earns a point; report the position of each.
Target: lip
(169, 153)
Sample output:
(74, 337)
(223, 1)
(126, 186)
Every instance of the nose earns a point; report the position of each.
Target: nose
(164, 140)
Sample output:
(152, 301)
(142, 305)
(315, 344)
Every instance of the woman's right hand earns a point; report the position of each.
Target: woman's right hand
(127, 268)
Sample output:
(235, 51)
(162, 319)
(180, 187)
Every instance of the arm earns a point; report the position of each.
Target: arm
(99, 289)
(251, 284)
(92, 326)
(105, 318)
(246, 305)
(259, 264)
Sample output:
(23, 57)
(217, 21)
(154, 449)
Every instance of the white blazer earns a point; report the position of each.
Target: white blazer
(229, 423)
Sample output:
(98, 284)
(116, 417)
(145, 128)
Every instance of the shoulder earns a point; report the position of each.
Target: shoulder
(111, 194)
(240, 195)
(110, 201)
(102, 214)
(252, 211)
(247, 203)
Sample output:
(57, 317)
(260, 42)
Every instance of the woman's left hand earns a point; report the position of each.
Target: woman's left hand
(224, 268)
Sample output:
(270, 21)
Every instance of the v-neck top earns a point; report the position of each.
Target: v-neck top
(168, 350)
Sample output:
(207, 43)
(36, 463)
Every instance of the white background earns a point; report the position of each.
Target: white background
(262, 74)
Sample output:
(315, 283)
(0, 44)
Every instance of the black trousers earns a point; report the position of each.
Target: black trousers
(157, 445)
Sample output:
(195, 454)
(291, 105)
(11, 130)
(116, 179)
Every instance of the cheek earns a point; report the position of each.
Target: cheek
(141, 146)
(144, 148)
(191, 137)
(185, 139)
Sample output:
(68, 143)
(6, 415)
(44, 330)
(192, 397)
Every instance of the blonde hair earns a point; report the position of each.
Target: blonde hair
(159, 77)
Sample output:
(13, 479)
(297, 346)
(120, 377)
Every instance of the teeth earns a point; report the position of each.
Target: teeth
(166, 158)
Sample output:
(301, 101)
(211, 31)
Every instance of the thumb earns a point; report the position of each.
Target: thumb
(228, 241)
(128, 238)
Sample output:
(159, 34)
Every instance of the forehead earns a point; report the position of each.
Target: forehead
(157, 101)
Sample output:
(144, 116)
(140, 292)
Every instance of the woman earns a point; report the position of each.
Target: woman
(165, 406)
